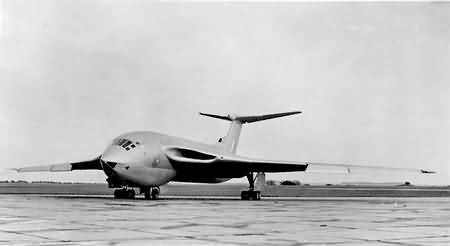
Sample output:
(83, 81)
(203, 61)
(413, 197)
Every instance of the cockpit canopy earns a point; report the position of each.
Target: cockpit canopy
(125, 143)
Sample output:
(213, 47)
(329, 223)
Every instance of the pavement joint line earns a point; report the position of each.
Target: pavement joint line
(386, 230)
(400, 243)
(26, 234)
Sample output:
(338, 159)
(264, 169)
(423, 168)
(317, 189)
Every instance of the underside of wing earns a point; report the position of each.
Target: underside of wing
(198, 162)
(93, 164)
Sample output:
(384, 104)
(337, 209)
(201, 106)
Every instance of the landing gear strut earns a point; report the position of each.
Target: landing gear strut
(251, 193)
(124, 193)
(151, 193)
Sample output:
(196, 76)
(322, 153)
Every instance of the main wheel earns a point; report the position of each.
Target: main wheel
(148, 194)
(250, 195)
(131, 194)
(245, 195)
(256, 195)
(121, 194)
(117, 193)
(124, 194)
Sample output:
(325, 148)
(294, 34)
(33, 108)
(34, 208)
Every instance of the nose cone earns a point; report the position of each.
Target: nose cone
(114, 154)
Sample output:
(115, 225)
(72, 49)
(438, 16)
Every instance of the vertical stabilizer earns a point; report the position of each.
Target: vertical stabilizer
(231, 140)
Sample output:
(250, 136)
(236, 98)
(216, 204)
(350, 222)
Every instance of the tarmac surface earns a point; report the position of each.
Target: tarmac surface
(102, 220)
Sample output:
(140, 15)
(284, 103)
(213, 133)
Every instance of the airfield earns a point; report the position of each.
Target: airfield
(51, 214)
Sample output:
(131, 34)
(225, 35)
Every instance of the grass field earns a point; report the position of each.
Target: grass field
(177, 189)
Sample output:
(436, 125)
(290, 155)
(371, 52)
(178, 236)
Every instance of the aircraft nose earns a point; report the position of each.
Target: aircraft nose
(112, 160)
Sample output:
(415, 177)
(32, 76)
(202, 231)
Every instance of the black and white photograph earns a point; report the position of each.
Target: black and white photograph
(137, 122)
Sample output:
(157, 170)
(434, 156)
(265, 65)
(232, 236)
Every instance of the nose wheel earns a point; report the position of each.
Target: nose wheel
(124, 193)
(151, 193)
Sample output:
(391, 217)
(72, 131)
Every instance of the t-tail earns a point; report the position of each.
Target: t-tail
(230, 141)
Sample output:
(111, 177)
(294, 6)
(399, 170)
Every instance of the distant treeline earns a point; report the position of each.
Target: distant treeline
(285, 182)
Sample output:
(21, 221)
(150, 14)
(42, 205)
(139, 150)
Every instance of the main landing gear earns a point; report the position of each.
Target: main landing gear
(251, 193)
(124, 193)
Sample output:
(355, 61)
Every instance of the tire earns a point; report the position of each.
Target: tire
(148, 195)
(244, 195)
(256, 195)
(124, 194)
(131, 194)
(155, 193)
(117, 194)
(250, 195)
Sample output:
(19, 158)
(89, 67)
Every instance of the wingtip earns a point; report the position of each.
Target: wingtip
(293, 112)
(425, 171)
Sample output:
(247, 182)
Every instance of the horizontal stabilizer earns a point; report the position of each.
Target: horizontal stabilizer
(216, 116)
(250, 119)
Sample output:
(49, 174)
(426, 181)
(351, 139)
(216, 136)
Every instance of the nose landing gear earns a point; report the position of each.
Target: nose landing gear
(124, 193)
(151, 193)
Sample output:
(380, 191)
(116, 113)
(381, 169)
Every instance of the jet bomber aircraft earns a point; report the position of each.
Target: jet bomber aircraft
(147, 160)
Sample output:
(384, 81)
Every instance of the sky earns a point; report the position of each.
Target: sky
(372, 80)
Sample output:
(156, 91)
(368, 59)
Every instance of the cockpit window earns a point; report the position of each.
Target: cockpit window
(128, 142)
(125, 143)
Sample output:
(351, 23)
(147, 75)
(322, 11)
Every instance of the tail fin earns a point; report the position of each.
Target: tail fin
(230, 141)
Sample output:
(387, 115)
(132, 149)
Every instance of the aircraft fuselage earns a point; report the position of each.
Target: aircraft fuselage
(146, 165)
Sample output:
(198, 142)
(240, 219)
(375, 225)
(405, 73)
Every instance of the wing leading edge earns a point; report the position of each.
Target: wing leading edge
(93, 164)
